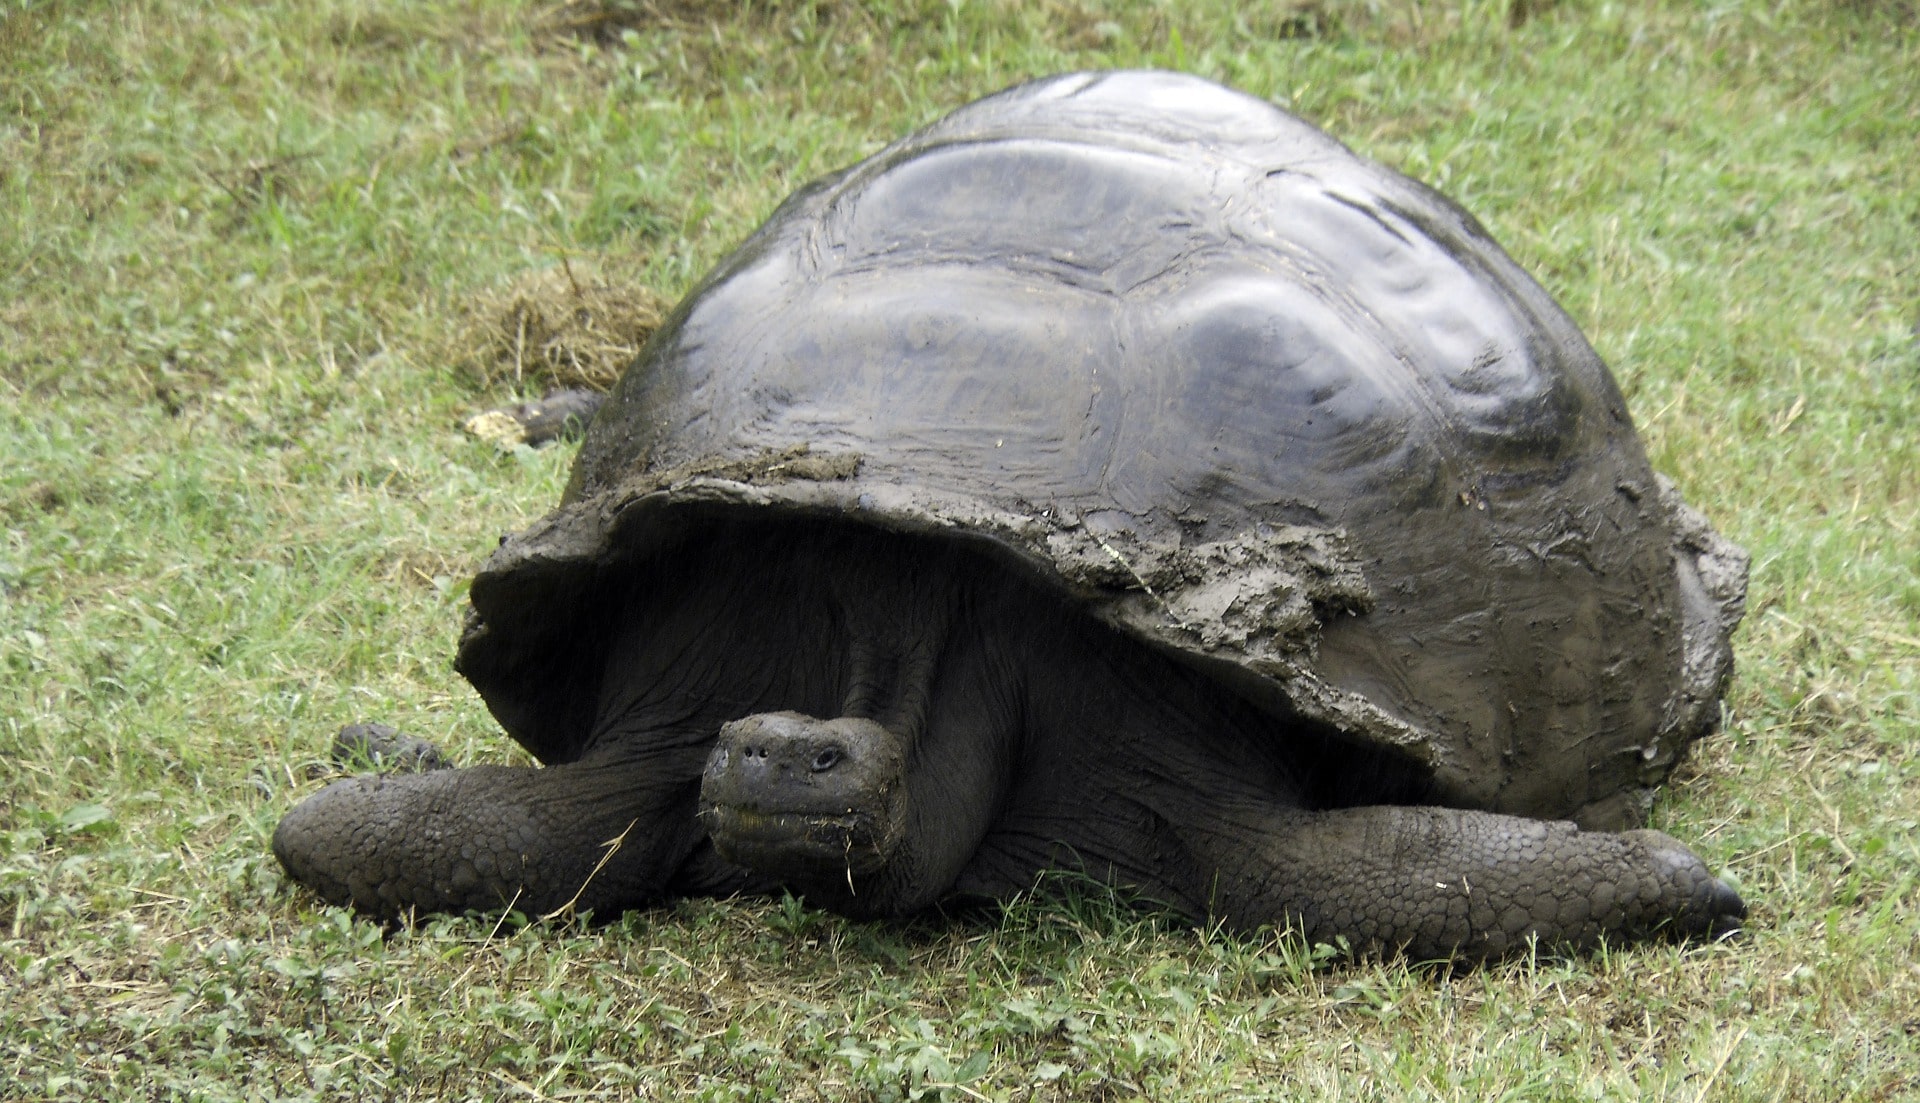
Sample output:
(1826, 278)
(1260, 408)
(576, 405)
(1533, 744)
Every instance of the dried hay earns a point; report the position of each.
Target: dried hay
(606, 21)
(556, 328)
(603, 21)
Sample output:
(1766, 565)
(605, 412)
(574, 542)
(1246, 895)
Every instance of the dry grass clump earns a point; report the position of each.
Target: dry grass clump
(603, 20)
(734, 23)
(556, 328)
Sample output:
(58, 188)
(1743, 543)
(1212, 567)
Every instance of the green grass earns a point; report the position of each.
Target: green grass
(236, 511)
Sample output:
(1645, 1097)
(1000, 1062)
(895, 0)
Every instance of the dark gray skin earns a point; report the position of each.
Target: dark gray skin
(883, 723)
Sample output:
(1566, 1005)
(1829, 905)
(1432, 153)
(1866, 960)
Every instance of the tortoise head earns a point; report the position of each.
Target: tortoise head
(817, 803)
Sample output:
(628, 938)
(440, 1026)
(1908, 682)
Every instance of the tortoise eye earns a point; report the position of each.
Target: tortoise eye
(827, 759)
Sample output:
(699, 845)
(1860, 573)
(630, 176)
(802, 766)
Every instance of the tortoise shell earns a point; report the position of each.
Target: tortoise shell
(1253, 400)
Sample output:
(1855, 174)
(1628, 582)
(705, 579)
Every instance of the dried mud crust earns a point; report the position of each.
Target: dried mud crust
(1251, 608)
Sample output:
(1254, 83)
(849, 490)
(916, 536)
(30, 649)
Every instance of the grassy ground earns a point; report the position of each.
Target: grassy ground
(245, 254)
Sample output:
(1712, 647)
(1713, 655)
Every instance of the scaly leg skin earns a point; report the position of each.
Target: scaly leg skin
(1440, 883)
(489, 837)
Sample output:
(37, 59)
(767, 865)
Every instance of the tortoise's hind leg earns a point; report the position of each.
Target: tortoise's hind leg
(386, 750)
(1446, 883)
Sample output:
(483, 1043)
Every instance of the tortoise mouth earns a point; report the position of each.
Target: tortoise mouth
(804, 800)
(800, 845)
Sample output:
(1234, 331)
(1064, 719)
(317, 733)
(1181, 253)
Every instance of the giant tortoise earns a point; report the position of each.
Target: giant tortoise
(1121, 476)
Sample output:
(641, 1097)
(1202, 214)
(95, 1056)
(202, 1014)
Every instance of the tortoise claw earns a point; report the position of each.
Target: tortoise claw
(386, 750)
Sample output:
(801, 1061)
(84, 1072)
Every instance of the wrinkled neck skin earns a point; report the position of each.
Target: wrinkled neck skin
(839, 623)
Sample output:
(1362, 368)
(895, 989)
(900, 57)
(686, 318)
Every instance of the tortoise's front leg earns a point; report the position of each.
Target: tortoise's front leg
(1445, 883)
(488, 837)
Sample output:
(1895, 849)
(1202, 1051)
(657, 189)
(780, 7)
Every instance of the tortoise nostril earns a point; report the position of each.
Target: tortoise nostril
(827, 759)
